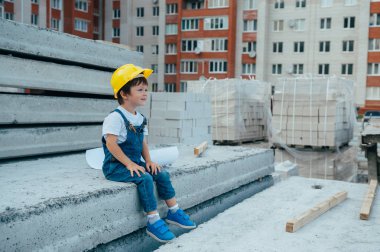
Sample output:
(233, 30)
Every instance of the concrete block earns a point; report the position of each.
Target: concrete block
(286, 169)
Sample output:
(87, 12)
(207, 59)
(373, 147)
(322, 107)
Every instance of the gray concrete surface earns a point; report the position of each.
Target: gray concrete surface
(258, 223)
(41, 42)
(59, 203)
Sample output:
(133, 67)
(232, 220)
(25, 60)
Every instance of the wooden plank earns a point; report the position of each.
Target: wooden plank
(21, 142)
(33, 74)
(34, 109)
(368, 200)
(308, 216)
(200, 148)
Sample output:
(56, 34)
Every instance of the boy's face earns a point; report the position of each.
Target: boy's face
(138, 95)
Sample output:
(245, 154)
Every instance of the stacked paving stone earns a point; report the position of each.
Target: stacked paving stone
(239, 108)
(179, 118)
(313, 112)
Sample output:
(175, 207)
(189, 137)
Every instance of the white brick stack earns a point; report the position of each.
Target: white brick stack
(179, 118)
(238, 108)
(312, 112)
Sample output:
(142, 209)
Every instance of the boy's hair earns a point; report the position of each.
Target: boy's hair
(127, 87)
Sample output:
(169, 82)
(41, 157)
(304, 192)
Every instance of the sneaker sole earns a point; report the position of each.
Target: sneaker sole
(180, 225)
(156, 238)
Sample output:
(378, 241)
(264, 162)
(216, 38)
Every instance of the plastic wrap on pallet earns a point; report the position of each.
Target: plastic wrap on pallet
(239, 108)
(313, 111)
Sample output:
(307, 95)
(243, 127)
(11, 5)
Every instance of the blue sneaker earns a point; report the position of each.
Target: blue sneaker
(180, 218)
(159, 231)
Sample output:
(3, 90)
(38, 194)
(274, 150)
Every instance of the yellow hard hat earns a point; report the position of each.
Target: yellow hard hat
(126, 73)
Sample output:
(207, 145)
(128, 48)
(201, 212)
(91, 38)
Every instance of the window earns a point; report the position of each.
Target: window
(347, 69)
(116, 13)
(170, 68)
(325, 23)
(299, 47)
(171, 9)
(277, 47)
(299, 24)
(219, 45)
(349, 22)
(326, 3)
(9, 15)
(154, 67)
(348, 46)
(324, 46)
(194, 5)
(81, 5)
(250, 25)
(155, 49)
(350, 2)
(140, 12)
(250, 4)
(140, 48)
(56, 4)
(115, 32)
(278, 25)
(279, 4)
(300, 3)
(323, 69)
(249, 69)
(171, 48)
(169, 87)
(190, 24)
(34, 19)
(249, 46)
(373, 45)
(80, 25)
(217, 3)
(373, 93)
(189, 66)
(155, 30)
(374, 19)
(155, 11)
(35, 1)
(276, 68)
(217, 66)
(171, 29)
(183, 87)
(140, 31)
(216, 23)
(154, 87)
(188, 45)
(374, 69)
(297, 68)
(55, 24)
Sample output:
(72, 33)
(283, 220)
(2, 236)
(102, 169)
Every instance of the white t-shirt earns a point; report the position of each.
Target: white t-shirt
(114, 124)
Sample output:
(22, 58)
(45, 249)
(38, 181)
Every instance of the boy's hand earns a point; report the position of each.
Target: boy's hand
(151, 166)
(133, 167)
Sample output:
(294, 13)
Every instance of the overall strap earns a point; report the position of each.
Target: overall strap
(127, 123)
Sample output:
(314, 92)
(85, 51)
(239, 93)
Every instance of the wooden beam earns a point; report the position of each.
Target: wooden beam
(298, 222)
(368, 200)
(200, 148)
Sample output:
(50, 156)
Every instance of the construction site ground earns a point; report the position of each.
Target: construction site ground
(258, 223)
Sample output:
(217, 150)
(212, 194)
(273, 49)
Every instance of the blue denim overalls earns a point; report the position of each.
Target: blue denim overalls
(132, 148)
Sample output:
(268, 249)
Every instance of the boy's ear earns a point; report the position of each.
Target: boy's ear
(123, 94)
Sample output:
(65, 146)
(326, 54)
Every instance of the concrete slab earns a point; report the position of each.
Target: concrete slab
(59, 203)
(258, 223)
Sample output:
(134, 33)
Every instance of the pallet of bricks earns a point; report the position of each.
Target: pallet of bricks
(239, 108)
(179, 118)
(310, 111)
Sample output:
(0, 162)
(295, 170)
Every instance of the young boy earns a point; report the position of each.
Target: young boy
(123, 143)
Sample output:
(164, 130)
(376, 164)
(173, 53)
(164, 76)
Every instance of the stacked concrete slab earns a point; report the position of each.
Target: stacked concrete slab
(238, 108)
(179, 118)
(313, 112)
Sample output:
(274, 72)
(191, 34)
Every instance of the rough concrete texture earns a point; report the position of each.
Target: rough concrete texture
(27, 109)
(41, 42)
(61, 204)
(258, 223)
(20, 142)
(34, 74)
